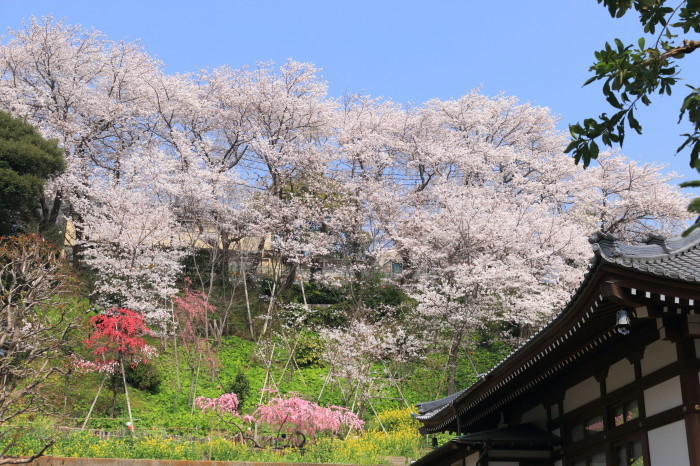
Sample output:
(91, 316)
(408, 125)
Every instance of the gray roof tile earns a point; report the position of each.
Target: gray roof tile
(677, 258)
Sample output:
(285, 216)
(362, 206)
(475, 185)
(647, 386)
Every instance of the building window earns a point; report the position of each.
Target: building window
(624, 445)
(629, 453)
(625, 413)
(596, 459)
(590, 427)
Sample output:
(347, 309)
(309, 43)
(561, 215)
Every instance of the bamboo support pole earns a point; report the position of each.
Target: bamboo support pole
(94, 402)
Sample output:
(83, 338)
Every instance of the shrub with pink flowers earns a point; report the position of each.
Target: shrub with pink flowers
(287, 415)
(226, 403)
(296, 415)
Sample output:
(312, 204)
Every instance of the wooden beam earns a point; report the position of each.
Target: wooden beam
(611, 291)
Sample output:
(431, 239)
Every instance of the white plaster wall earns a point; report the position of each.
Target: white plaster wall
(536, 416)
(472, 459)
(620, 374)
(659, 354)
(555, 410)
(582, 393)
(663, 396)
(668, 445)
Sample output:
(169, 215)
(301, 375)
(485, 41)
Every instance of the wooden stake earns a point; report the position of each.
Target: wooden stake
(126, 392)
(330, 371)
(94, 402)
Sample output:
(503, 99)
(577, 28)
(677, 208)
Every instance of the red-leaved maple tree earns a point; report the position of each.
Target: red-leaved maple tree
(117, 336)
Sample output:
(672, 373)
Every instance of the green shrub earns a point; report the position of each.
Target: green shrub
(309, 350)
(241, 387)
(144, 376)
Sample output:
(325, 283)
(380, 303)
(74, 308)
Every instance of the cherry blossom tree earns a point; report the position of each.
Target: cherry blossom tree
(82, 89)
(89, 93)
(294, 415)
(474, 194)
(631, 200)
(494, 223)
(130, 242)
(353, 354)
(226, 408)
(290, 415)
(191, 314)
(484, 258)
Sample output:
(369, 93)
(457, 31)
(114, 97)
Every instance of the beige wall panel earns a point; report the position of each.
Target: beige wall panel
(536, 416)
(659, 354)
(582, 393)
(620, 374)
(668, 445)
(663, 396)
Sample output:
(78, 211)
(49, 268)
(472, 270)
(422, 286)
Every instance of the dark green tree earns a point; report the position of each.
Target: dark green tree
(26, 161)
(633, 73)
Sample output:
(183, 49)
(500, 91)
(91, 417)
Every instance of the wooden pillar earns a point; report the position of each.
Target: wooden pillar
(690, 390)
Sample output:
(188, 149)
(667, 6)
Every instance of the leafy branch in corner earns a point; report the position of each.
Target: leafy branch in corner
(634, 73)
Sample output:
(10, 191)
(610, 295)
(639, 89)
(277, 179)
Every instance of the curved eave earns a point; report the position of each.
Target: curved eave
(438, 419)
(660, 259)
(587, 317)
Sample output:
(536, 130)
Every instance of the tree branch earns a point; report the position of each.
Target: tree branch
(687, 47)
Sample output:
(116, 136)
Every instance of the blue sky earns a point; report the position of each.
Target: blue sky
(408, 51)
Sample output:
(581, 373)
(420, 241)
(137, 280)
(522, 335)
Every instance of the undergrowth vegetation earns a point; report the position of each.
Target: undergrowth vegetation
(168, 427)
(392, 433)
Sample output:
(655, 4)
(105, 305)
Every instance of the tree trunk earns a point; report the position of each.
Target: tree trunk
(257, 258)
(244, 274)
(270, 306)
(224, 258)
(78, 249)
(291, 278)
(49, 216)
(315, 270)
(452, 363)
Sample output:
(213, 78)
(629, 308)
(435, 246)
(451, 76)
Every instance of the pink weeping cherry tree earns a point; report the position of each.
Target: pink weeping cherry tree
(289, 416)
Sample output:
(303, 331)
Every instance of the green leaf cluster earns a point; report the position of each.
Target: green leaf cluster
(632, 73)
(26, 161)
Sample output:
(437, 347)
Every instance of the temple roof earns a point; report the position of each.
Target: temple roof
(677, 258)
(674, 258)
(523, 436)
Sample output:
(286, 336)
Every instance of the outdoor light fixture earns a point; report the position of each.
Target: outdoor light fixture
(623, 322)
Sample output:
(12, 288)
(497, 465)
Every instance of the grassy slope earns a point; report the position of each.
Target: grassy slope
(169, 408)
